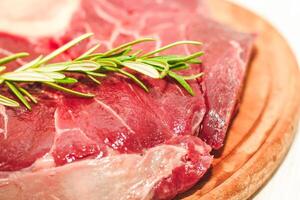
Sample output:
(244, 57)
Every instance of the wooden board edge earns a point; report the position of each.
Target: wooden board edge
(260, 168)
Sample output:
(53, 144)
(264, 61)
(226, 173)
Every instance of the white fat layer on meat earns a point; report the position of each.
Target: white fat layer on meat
(5, 52)
(103, 5)
(123, 176)
(239, 51)
(37, 18)
(216, 121)
(179, 89)
(182, 29)
(52, 95)
(115, 114)
(5, 121)
(118, 27)
(59, 131)
(158, 41)
(134, 91)
(45, 162)
(197, 119)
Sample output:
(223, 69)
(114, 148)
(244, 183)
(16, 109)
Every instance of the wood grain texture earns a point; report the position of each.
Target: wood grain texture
(264, 128)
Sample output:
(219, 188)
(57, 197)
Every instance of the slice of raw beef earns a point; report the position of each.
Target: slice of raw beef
(124, 143)
(227, 52)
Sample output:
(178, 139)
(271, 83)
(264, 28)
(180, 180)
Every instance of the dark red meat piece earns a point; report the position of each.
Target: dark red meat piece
(123, 120)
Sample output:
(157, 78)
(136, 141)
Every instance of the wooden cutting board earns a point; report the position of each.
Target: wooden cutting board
(264, 128)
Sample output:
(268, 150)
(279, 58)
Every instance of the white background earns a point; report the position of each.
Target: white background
(285, 15)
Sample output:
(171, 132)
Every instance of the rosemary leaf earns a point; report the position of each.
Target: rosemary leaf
(25, 76)
(159, 63)
(165, 57)
(88, 52)
(123, 46)
(193, 77)
(194, 61)
(159, 69)
(56, 67)
(94, 56)
(84, 66)
(179, 66)
(8, 102)
(107, 63)
(2, 68)
(30, 64)
(54, 75)
(93, 79)
(125, 58)
(187, 58)
(26, 93)
(170, 46)
(64, 48)
(135, 79)
(121, 53)
(66, 80)
(182, 82)
(67, 90)
(165, 71)
(96, 74)
(162, 64)
(129, 75)
(137, 53)
(143, 68)
(114, 60)
(13, 57)
(18, 94)
(127, 51)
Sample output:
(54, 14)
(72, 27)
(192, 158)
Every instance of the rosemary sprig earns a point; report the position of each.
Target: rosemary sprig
(12, 57)
(18, 94)
(64, 48)
(8, 102)
(120, 60)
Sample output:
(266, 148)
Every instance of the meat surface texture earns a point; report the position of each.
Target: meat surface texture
(124, 143)
(159, 172)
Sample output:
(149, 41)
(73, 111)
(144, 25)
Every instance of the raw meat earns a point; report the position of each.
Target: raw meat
(124, 143)
(227, 52)
(159, 172)
(226, 57)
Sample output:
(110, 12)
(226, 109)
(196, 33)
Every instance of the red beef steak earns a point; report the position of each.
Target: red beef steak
(124, 143)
